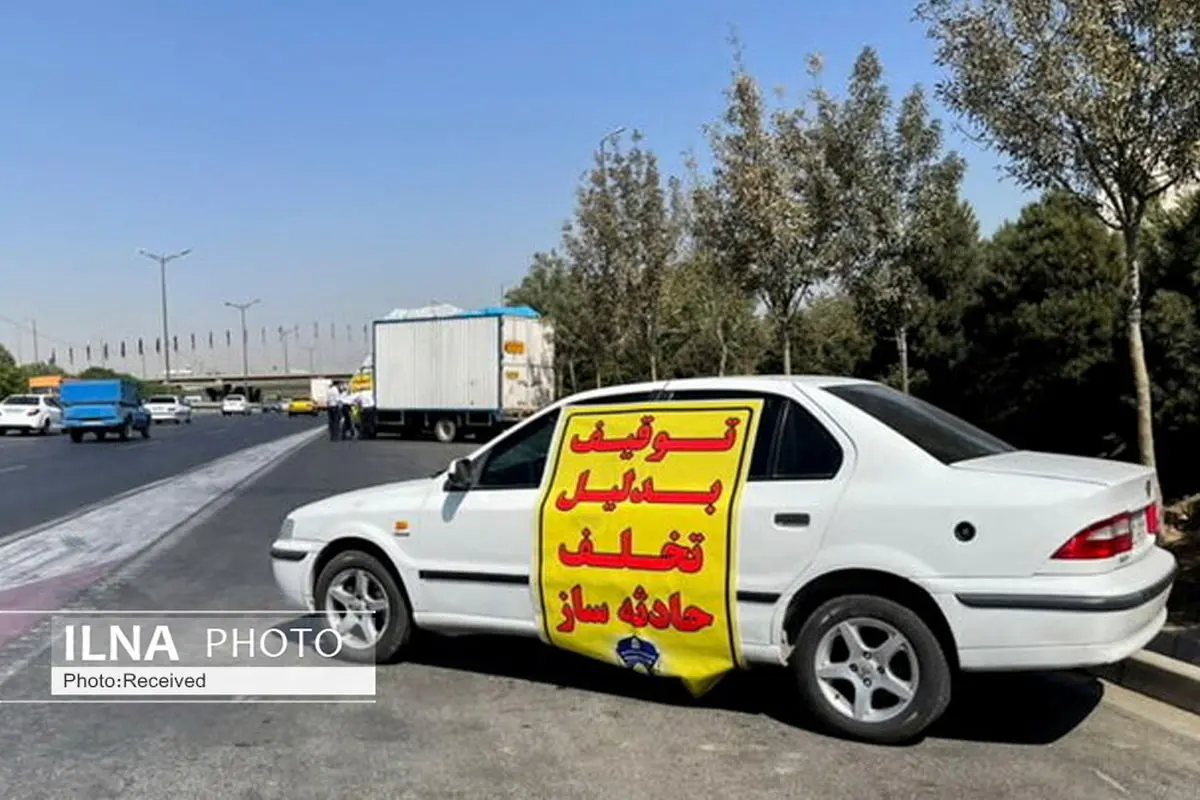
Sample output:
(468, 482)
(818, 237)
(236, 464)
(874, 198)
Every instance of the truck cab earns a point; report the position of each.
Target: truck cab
(101, 407)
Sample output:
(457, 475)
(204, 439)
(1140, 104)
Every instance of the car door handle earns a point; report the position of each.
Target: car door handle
(792, 520)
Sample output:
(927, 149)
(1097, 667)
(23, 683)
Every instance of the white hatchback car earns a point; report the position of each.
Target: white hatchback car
(167, 408)
(234, 404)
(883, 544)
(30, 413)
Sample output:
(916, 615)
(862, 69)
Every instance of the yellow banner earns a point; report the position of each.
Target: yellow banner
(637, 536)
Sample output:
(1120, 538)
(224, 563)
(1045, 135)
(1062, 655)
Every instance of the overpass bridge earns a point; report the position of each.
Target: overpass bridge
(269, 383)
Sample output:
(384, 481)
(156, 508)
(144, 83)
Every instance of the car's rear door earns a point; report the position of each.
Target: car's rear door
(798, 471)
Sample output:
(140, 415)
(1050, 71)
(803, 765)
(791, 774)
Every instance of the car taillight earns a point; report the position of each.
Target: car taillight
(33, 412)
(1105, 539)
(1154, 519)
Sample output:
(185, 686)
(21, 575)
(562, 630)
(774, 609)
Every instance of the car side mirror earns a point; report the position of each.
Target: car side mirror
(459, 475)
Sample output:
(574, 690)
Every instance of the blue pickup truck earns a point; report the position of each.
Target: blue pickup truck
(110, 405)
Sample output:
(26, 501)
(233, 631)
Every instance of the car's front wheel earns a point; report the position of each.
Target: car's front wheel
(871, 669)
(363, 602)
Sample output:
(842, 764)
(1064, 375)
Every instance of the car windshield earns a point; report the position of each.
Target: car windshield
(163, 399)
(20, 400)
(939, 433)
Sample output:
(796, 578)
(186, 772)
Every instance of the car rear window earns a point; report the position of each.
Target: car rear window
(237, 398)
(161, 400)
(20, 400)
(944, 436)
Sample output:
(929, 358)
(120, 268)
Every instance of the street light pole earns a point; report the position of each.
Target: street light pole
(608, 137)
(162, 261)
(241, 307)
(283, 337)
(37, 358)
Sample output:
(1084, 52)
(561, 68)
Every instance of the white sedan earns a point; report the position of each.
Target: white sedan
(29, 413)
(167, 408)
(882, 545)
(234, 404)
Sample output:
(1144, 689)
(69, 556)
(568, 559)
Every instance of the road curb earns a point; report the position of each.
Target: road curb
(1160, 677)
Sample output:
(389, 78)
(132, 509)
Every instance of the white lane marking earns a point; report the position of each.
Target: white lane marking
(13, 468)
(117, 531)
(264, 458)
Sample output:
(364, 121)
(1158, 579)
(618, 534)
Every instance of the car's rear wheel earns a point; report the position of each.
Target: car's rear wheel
(444, 430)
(362, 601)
(45, 429)
(871, 669)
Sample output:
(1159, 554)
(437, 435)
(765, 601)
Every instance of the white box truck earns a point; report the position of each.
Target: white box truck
(454, 372)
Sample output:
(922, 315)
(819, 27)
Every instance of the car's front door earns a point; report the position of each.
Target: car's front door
(474, 550)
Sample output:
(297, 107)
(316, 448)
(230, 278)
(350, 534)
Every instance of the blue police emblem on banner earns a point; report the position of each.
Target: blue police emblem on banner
(635, 652)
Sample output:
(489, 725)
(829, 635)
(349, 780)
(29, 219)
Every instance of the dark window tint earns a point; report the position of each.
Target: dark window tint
(768, 426)
(518, 461)
(806, 451)
(161, 399)
(21, 400)
(937, 432)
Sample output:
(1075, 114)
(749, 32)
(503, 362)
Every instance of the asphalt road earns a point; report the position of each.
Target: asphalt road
(480, 717)
(44, 478)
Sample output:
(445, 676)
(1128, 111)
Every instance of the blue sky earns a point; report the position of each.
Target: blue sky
(339, 159)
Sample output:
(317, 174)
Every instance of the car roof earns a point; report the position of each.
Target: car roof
(766, 383)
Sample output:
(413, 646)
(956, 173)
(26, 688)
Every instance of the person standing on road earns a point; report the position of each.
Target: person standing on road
(346, 403)
(333, 411)
(365, 400)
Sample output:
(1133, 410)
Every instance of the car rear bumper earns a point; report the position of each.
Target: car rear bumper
(1057, 622)
(20, 423)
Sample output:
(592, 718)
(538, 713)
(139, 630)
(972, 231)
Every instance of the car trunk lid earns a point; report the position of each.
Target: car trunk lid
(1112, 526)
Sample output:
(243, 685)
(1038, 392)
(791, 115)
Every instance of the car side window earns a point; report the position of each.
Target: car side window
(806, 451)
(519, 461)
(768, 426)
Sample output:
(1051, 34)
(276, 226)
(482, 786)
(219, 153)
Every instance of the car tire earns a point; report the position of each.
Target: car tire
(444, 430)
(146, 431)
(124, 431)
(76, 437)
(919, 665)
(45, 429)
(398, 624)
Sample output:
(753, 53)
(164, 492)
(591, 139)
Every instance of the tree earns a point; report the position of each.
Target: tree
(1094, 98)
(551, 290)
(766, 235)
(1172, 272)
(11, 379)
(591, 244)
(905, 192)
(711, 305)
(1044, 333)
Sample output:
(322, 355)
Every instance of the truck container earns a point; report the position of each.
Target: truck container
(101, 407)
(318, 389)
(461, 371)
